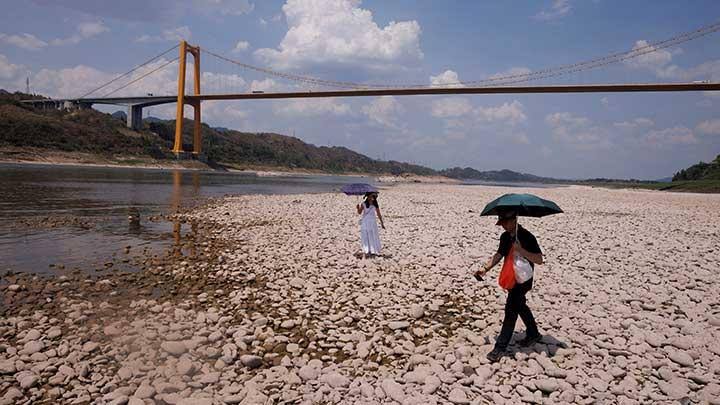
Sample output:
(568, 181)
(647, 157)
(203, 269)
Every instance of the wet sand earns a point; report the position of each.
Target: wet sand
(275, 306)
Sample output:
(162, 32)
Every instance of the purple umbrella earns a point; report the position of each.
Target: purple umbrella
(358, 189)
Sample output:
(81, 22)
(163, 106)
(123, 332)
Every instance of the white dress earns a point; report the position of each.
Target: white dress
(369, 235)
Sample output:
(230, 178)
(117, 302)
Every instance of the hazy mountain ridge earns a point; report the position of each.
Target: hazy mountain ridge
(469, 173)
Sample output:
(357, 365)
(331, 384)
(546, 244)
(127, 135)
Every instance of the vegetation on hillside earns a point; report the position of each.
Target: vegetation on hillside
(700, 171)
(104, 134)
(469, 173)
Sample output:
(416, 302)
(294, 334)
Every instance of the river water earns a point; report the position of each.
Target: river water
(55, 219)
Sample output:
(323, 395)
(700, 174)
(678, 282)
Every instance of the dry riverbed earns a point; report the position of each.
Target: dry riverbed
(271, 305)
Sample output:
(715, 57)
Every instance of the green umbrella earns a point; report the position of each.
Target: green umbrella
(525, 205)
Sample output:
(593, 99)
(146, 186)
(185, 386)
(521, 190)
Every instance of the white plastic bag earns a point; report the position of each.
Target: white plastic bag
(523, 270)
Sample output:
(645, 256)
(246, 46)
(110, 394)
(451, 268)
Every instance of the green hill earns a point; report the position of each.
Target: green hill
(504, 175)
(700, 171)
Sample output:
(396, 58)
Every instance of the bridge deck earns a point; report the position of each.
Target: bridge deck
(555, 89)
(593, 88)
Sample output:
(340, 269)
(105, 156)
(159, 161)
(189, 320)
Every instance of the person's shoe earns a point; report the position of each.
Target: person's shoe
(529, 340)
(495, 355)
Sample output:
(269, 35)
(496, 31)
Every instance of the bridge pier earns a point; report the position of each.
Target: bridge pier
(134, 117)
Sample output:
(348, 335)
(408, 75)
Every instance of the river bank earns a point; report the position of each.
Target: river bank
(26, 156)
(274, 305)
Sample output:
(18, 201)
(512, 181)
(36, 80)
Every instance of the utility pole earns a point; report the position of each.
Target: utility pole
(27, 85)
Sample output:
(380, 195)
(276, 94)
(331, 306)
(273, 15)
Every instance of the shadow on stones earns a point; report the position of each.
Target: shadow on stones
(548, 345)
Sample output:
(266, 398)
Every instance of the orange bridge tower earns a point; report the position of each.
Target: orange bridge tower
(197, 137)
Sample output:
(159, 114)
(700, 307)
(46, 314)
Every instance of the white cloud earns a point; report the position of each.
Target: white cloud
(451, 107)
(340, 32)
(265, 85)
(565, 119)
(225, 7)
(173, 34)
(384, 111)
(90, 29)
(8, 71)
(658, 61)
(447, 78)
(511, 113)
(68, 82)
(653, 59)
(312, 108)
(241, 46)
(75, 81)
(220, 83)
(263, 22)
(25, 41)
(577, 132)
(218, 113)
(636, 123)
(710, 127)
(670, 136)
(546, 152)
(511, 74)
(428, 142)
(605, 101)
(558, 9)
(704, 103)
(234, 113)
(85, 30)
(520, 139)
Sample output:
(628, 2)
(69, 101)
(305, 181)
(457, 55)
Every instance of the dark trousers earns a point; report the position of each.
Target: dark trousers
(514, 306)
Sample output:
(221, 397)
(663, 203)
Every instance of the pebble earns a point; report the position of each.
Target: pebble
(32, 346)
(363, 300)
(458, 396)
(335, 380)
(681, 358)
(90, 347)
(308, 373)
(173, 347)
(28, 381)
(547, 386)
(393, 390)
(676, 389)
(432, 383)
(274, 318)
(417, 311)
(251, 361)
(144, 391)
(395, 325)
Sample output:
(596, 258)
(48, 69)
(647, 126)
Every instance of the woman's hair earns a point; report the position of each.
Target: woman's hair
(367, 203)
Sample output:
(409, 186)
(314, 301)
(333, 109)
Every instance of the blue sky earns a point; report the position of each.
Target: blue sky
(67, 47)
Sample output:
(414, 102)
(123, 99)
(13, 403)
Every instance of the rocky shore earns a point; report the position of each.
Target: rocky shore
(269, 303)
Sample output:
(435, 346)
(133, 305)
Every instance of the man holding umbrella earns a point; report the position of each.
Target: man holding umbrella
(516, 244)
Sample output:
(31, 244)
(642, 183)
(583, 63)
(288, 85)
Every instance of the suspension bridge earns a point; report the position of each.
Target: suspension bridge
(233, 87)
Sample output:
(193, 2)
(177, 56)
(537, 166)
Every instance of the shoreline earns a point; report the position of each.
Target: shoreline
(260, 171)
(261, 313)
(388, 179)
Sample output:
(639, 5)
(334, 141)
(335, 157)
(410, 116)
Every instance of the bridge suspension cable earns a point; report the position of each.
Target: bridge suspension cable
(497, 80)
(141, 77)
(131, 71)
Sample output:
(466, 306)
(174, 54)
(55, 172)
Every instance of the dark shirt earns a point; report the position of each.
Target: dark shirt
(527, 241)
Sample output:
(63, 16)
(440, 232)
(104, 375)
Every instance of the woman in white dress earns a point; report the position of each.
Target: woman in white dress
(369, 235)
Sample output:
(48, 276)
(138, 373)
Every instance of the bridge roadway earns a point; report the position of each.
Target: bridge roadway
(135, 104)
